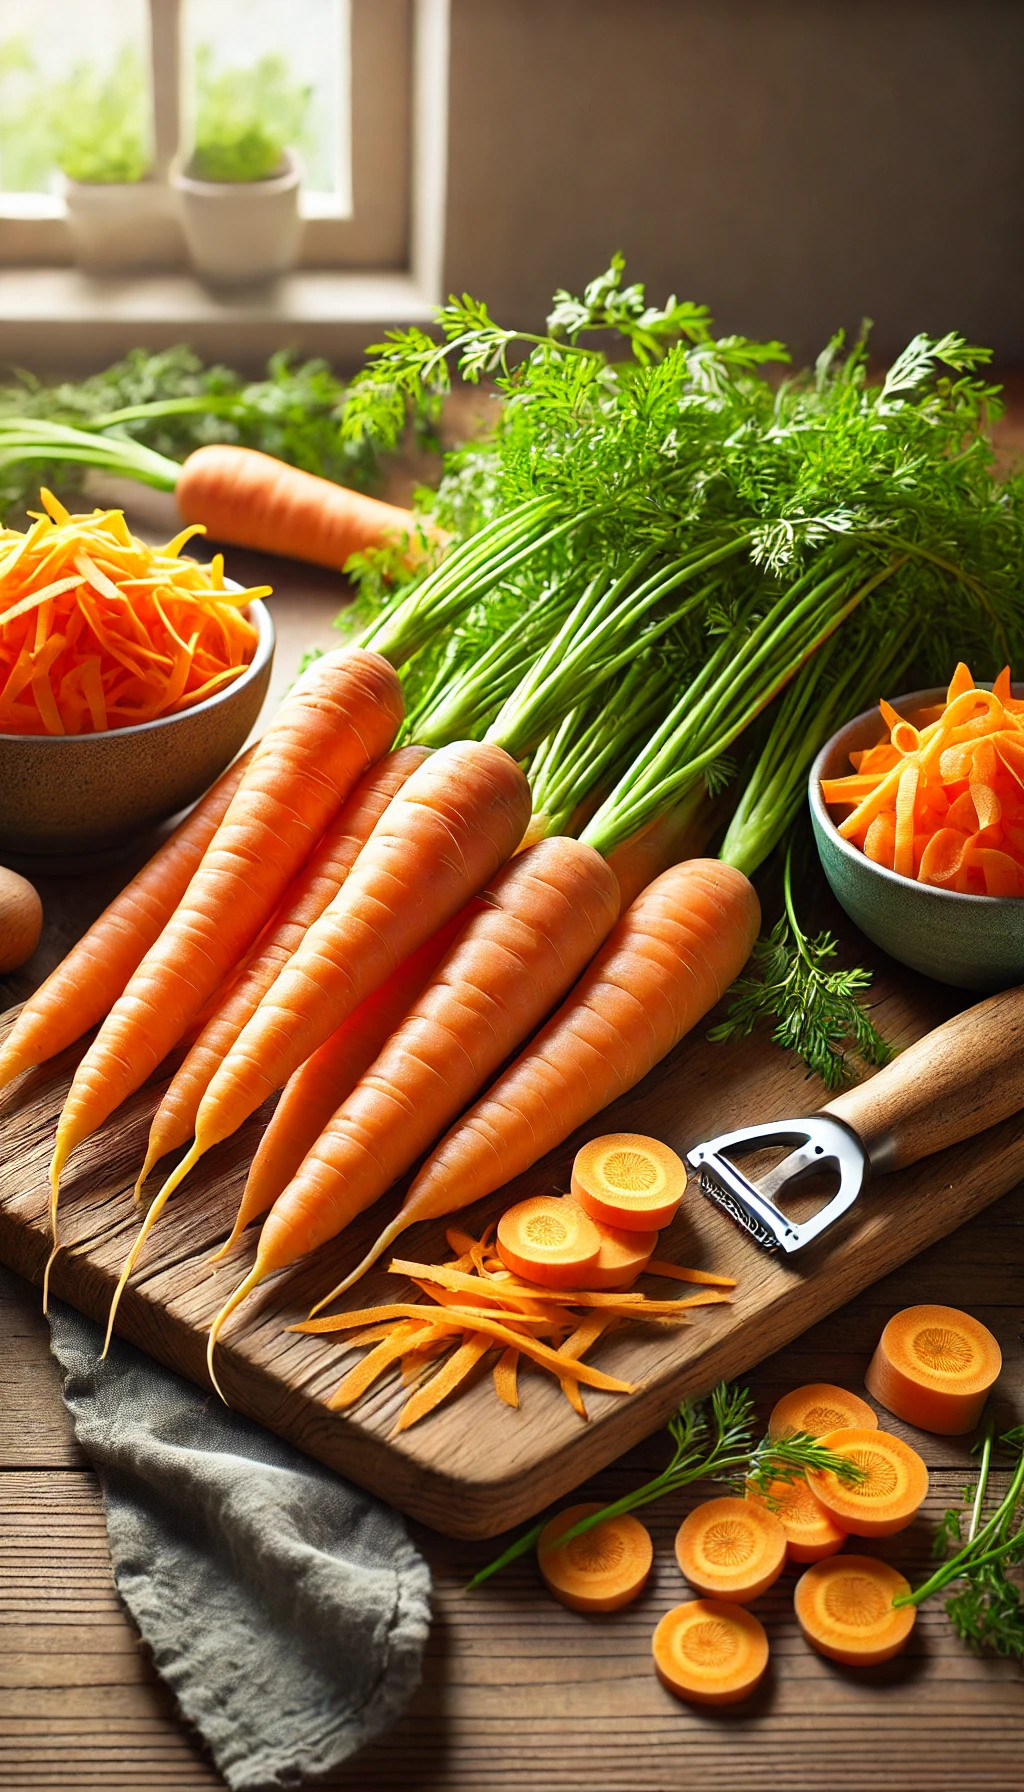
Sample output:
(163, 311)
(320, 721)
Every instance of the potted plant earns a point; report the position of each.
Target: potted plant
(239, 190)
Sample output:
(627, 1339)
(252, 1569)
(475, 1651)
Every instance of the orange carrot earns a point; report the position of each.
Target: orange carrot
(818, 1408)
(710, 1653)
(339, 718)
(933, 1367)
(87, 983)
(255, 501)
(548, 1240)
(670, 958)
(601, 1570)
(731, 1549)
(545, 915)
(844, 1607)
(681, 833)
(303, 903)
(628, 1180)
(892, 1490)
(623, 1256)
(319, 1087)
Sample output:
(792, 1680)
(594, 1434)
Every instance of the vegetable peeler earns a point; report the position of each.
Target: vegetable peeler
(966, 1075)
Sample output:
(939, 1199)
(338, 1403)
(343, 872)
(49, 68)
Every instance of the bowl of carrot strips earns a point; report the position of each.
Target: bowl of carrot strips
(130, 676)
(918, 815)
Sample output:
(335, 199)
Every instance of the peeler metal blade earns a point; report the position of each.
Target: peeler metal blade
(819, 1141)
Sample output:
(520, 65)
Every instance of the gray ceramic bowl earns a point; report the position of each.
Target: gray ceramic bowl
(973, 942)
(65, 796)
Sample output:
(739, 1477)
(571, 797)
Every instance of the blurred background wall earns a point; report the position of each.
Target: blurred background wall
(792, 163)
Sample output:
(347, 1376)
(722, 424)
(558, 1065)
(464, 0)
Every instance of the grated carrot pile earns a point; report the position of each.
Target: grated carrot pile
(942, 799)
(475, 1303)
(98, 630)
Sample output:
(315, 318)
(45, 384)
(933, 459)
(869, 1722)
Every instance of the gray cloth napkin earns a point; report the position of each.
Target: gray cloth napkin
(287, 1610)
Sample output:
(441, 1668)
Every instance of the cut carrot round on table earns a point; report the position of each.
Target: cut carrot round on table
(602, 1569)
(817, 1408)
(811, 1533)
(549, 1240)
(731, 1549)
(629, 1181)
(845, 1609)
(710, 1653)
(622, 1257)
(933, 1367)
(891, 1491)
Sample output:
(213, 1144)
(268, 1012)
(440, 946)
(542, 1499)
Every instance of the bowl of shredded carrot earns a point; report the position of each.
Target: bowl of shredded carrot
(130, 676)
(918, 815)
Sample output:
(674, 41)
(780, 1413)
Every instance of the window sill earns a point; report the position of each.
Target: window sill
(61, 319)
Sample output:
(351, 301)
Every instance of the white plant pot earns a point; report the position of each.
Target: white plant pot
(118, 226)
(240, 231)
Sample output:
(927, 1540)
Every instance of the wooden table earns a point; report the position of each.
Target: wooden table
(518, 1695)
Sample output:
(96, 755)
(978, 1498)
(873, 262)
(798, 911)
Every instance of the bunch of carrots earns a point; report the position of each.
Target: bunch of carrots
(942, 799)
(354, 925)
(99, 630)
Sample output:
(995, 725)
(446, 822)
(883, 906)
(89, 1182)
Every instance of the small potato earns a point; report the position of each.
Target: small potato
(21, 920)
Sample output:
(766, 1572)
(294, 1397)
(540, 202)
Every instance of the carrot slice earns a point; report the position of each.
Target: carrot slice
(844, 1608)
(810, 1533)
(731, 1549)
(629, 1181)
(710, 1653)
(880, 839)
(933, 1367)
(817, 1408)
(622, 1257)
(602, 1569)
(549, 1240)
(893, 1488)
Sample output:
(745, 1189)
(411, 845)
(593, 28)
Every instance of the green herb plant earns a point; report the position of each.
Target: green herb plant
(245, 118)
(712, 1440)
(92, 124)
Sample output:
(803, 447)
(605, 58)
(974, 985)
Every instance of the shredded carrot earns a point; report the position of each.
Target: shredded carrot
(99, 630)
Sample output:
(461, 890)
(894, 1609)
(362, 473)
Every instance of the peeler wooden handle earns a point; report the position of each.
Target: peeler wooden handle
(965, 1076)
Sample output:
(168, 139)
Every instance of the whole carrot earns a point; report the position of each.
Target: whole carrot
(87, 983)
(303, 903)
(669, 959)
(255, 501)
(545, 915)
(339, 718)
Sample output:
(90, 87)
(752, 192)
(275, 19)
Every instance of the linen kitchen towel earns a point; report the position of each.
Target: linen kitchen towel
(287, 1610)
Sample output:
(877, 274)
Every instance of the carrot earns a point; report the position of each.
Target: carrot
(601, 1570)
(550, 1241)
(303, 903)
(845, 1609)
(87, 983)
(622, 1257)
(339, 718)
(710, 1653)
(318, 1088)
(629, 1181)
(681, 833)
(669, 959)
(818, 1408)
(731, 1549)
(933, 1367)
(810, 1533)
(892, 1490)
(255, 501)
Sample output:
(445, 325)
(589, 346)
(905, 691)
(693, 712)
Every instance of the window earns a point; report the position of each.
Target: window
(364, 79)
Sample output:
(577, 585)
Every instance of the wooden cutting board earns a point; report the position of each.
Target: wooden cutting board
(476, 1467)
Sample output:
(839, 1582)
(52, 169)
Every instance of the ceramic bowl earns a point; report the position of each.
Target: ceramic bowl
(973, 942)
(81, 795)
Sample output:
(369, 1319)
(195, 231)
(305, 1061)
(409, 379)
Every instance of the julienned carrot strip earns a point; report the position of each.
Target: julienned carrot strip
(303, 903)
(365, 1373)
(87, 983)
(512, 1292)
(670, 958)
(506, 1376)
(450, 1376)
(659, 1267)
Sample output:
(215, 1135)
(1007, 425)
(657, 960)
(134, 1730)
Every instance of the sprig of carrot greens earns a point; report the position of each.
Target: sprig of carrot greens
(713, 1439)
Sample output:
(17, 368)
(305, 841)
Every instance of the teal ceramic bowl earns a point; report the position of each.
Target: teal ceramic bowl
(85, 796)
(973, 942)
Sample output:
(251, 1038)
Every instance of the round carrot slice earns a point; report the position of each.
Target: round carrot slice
(811, 1533)
(844, 1608)
(602, 1568)
(548, 1240)
(622, 1257)
(731, 1549)
(629, 1181)
(894, 1485)
(934, 1367)
(818, 1408)
(710, 1653)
